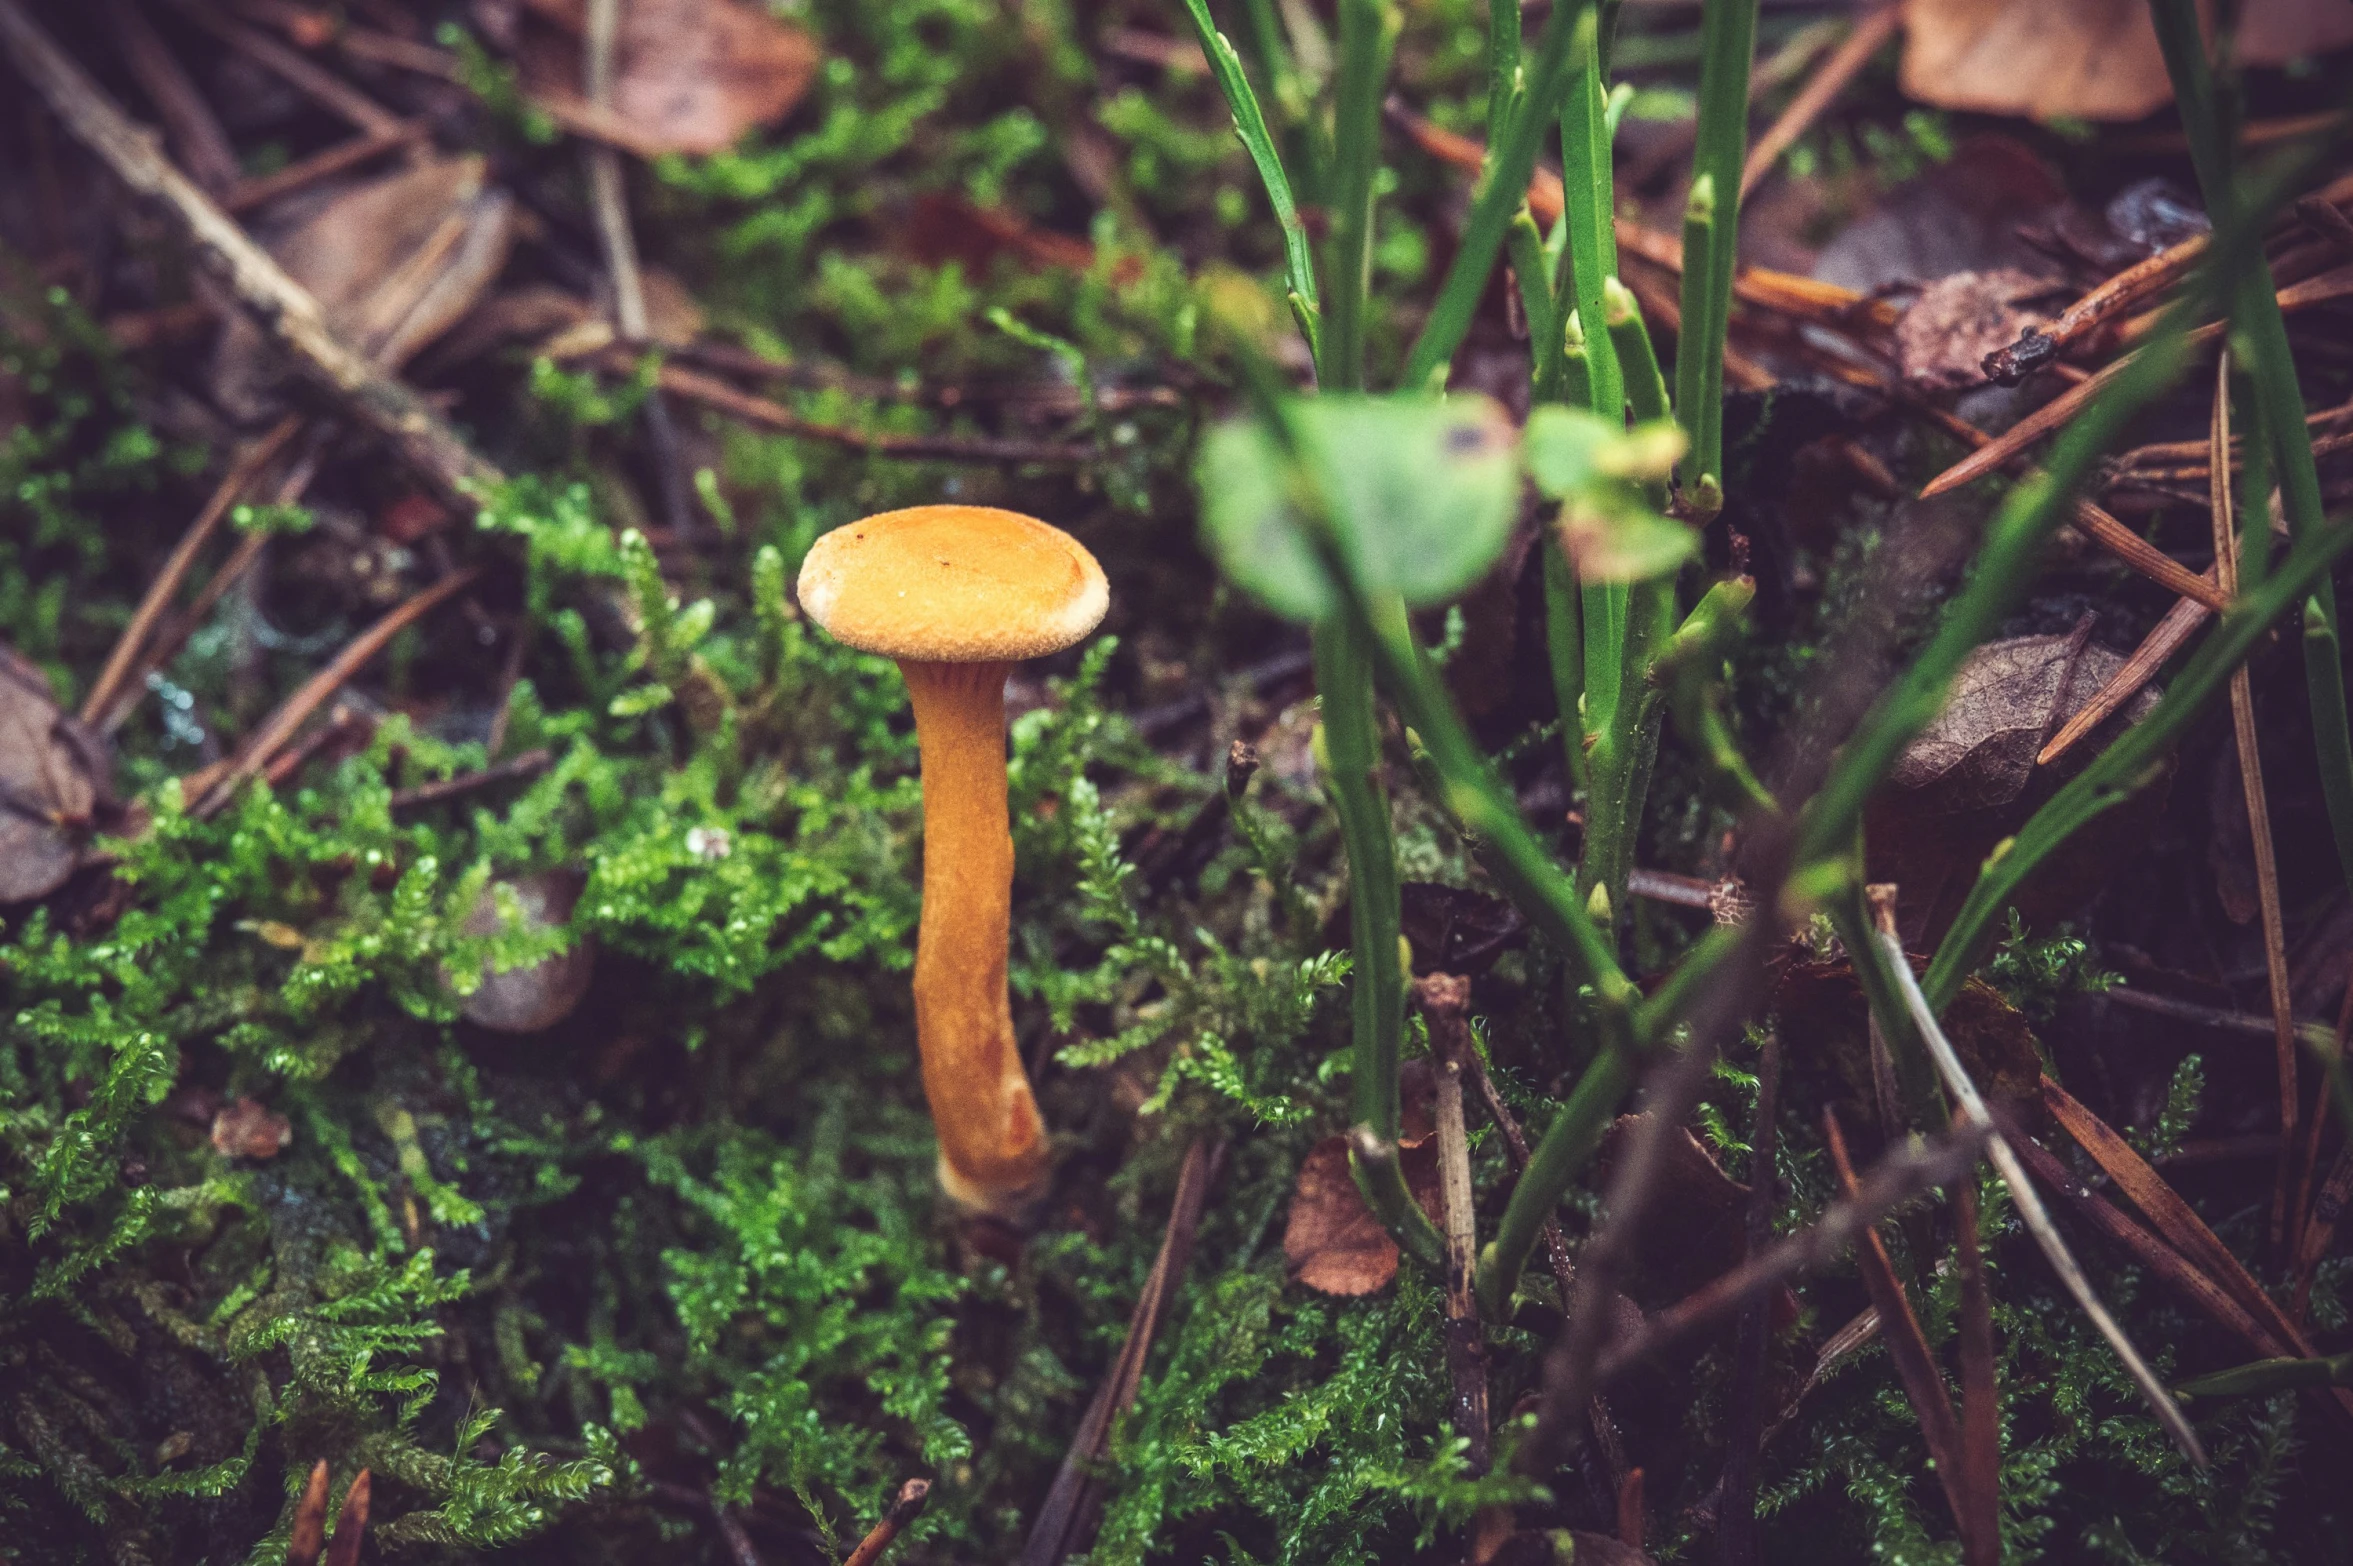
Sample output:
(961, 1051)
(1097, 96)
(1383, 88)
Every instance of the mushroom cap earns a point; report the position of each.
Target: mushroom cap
(953, 584)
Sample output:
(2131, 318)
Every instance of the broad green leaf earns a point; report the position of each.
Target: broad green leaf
(1571, 451)
(1420, 496)
(1594, 468)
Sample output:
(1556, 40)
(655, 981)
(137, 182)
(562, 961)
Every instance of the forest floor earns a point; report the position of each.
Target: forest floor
(456, 913)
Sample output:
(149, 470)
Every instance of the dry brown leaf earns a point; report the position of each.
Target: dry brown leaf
(51, 784)
(247, 1129)
(1332, 1241)
(541, 994)
(2082, 59)
(688, 75)
(1942, 340)
(1970, 780)
(393, 262)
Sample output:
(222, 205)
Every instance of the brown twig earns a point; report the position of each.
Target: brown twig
(303, 173)
(308, 1535)
(125, 654)
(909, 1505)
(1068, 1513)
(2308, 1166)
(282, 306)
(720, 397)
(1915, 1367)
(197, 137)
(208, 795)
(2167, 637)
(1870, 33)
(2258, 806)
(2314, 1035)
(2320, 1229)
(1515, 1142)
(529, 764)
(166, 643)
(1737, 1540)
(1445, 1001)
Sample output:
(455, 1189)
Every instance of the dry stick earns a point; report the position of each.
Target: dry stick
(1066, 1514)
(2167, 637)
(176, 565)
(1869, 35)
(733, 1534)
(2327, 220)
(903, 1511)
(2242, 718)
(296, 709)
(610, 203)
(1915, 1367)
(1515, 1141)
(1445, 999)
(282, 306)
(308, 1536)
(166, 643)
(2030, 1208)
(1737, 1541)
(720, 397)
(351, 1527)
(303, 173)
(1908, 1171)
(196, 135)
(2174, 1220)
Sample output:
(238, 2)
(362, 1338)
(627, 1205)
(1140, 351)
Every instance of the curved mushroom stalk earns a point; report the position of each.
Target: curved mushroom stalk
(958, 594)
(992, 1146)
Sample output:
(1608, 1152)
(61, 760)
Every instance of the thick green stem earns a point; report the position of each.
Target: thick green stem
(1351, 746)
(1532, 271)
(2261, 335)
(1368, 33)
(1503, 61)
(1728, 33)
(1503, 185)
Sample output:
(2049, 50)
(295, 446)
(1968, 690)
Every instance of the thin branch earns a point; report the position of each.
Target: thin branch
(529, 764)
(909, 1505)
(283, 307)
(2031, 1211)
(247, 194)
(248, 466)
(1737, 1539)
(1908, 1171)
(1444, 1000)
(196, 134)
(1870, 34)
(210, 793)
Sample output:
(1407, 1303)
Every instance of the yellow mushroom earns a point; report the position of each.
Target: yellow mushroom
(958, 595)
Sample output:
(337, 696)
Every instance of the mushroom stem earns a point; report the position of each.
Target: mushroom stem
(992, 1147)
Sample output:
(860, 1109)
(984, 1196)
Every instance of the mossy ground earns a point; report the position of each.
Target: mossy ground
(564, 1292)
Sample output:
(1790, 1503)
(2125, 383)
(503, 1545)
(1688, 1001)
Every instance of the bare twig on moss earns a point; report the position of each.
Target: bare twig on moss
(904, 1510)
(303, 173)
(283, 307)
(1870, 34)
(209, 790)
(529, 764)
(1445, 1001)
(242, 472)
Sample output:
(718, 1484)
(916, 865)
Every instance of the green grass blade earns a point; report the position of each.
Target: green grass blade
(1368, 35)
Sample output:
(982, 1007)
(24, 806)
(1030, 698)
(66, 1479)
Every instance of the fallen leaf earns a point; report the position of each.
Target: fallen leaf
(689, 76)
(248, 1130)
(51, 784)
(393, 262)
(1331, 1240)
(1942, 340)
(1963, 215)
(541, 994)
(1969, 780)
(2082, 59)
